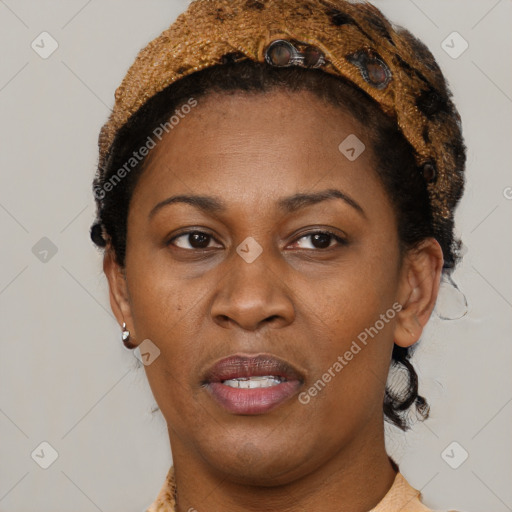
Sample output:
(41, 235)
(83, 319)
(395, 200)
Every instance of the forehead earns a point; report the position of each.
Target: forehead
(279, 137)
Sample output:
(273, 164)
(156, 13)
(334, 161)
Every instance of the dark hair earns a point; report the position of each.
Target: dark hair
(395, 165)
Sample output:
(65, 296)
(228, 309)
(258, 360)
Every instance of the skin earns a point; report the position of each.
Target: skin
(299, 301)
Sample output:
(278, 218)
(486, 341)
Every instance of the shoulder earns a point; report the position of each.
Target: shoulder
(402, 497)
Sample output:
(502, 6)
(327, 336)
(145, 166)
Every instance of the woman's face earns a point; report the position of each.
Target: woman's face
(261, 280)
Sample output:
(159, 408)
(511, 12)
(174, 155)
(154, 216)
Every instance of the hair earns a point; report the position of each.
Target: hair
(395, 165)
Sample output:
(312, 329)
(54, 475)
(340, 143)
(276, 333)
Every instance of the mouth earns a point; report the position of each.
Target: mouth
(252, 385)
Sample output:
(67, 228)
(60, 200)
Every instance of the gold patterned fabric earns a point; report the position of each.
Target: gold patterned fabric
(401, 497)
(358, 43)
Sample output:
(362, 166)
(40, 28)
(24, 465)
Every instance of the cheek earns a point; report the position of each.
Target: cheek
(161, 301)
(355, 322)
(352, 299)
(354, 318)
(165, 310)
(348, 366)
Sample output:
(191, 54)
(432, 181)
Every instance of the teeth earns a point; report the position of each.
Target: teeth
(265, 381)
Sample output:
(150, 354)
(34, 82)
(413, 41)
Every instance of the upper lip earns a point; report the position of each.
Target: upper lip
(240, 365)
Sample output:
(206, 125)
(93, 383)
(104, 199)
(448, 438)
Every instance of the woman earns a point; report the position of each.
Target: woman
(275, 192)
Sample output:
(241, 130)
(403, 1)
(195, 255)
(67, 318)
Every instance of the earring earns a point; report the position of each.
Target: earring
(125, 336)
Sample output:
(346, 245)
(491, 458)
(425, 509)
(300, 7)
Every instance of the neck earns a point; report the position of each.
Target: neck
(353, 480)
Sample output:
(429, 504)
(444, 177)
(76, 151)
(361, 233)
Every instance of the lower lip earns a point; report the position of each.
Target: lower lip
(252, 401)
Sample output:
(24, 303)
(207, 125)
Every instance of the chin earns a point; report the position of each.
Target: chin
(258, 463)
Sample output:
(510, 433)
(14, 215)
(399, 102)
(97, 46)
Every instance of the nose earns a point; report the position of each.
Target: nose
(253, 295)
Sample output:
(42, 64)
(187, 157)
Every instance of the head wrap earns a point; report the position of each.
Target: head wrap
(345, 38)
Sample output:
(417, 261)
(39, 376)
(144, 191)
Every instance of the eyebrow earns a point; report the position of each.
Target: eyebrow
(212, 205)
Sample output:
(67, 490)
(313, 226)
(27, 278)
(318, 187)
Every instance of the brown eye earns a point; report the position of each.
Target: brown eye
(192, 240)
(319, 240)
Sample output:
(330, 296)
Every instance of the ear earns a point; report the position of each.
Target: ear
(118, 290)
(418, 289)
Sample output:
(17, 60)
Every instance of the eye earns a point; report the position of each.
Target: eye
(192, 240)
(320, 240)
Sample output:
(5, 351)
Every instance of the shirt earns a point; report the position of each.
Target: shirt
(401, 497)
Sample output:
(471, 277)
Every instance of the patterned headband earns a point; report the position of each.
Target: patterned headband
(345, 38)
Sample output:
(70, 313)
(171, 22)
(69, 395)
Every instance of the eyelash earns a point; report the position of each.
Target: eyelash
(341, 241)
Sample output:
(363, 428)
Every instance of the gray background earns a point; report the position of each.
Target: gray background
(65, 377)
